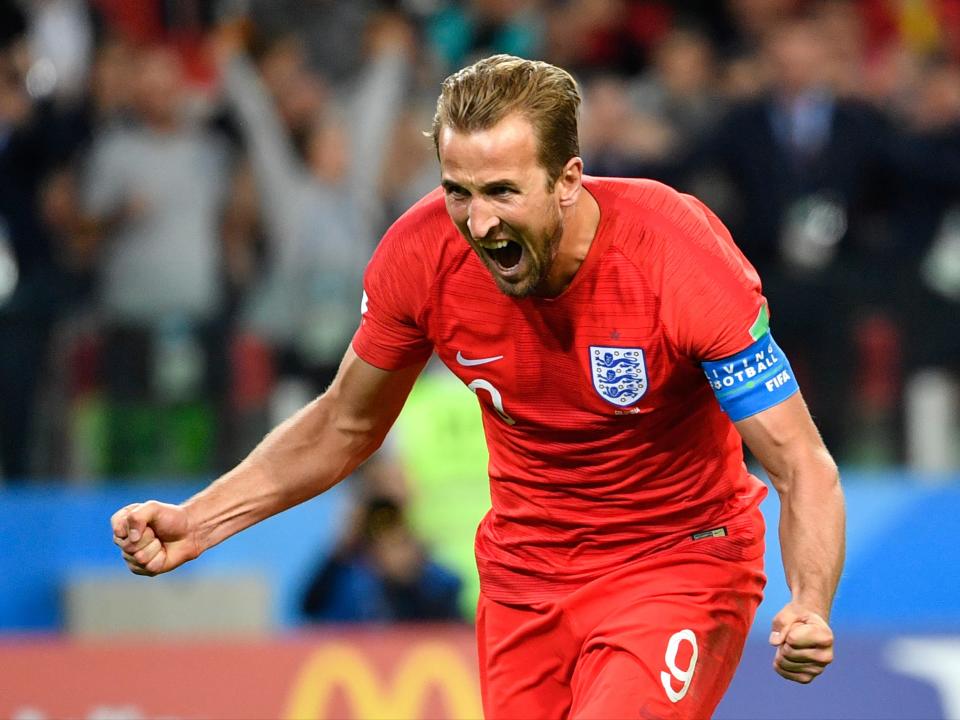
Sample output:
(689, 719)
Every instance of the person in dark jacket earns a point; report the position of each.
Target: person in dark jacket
(381, 573)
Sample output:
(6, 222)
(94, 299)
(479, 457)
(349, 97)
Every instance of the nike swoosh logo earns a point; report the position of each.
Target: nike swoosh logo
(479, 361)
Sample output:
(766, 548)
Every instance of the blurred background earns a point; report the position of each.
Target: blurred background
(189, 192)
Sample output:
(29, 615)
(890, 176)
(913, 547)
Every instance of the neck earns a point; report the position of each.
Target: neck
(580, 224)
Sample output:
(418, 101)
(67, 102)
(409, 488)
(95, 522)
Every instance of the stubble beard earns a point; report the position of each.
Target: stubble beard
(540, 267)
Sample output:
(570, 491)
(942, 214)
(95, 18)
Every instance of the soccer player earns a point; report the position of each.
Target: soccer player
(619, 346)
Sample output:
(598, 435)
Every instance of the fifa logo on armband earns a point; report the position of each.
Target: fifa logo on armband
(778, 380)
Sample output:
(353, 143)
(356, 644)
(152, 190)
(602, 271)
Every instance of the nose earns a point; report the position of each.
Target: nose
(481, 219)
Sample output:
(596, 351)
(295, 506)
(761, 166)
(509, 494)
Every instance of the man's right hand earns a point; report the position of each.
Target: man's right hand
(154, 537)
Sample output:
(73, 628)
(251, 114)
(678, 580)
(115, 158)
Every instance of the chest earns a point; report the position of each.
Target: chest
(173, 171)
(595, 353)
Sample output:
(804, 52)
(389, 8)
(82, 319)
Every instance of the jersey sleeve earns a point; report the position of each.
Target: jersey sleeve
(711, 300)
(395, 288)
(713, 307)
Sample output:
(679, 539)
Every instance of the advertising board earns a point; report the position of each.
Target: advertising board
(421, 672)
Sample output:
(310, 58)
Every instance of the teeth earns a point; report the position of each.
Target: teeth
(492, 244)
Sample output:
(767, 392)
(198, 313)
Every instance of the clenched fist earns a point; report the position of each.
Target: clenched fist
(804, 643)
(154, 537)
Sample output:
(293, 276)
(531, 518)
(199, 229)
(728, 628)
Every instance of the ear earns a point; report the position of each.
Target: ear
(570, 182)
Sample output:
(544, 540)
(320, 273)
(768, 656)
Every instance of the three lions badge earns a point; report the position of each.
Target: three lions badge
(619, 374)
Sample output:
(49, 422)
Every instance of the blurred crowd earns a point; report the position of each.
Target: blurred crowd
(190, 190)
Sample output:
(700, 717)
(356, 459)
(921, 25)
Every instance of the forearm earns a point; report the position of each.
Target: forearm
(277, 171)
(373, 112)
(812, 528)
(301, 458)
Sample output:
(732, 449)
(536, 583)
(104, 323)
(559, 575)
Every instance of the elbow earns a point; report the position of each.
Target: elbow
(364, 444)
(361, 435)
(815, 468)
(824, 467)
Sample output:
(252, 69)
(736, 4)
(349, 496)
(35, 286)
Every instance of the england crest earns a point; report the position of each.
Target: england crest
(619, 374)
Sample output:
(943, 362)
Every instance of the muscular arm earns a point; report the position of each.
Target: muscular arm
(787, 444)
(302, 457)
(308, 454)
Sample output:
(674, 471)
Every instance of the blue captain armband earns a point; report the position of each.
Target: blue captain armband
(753, 380)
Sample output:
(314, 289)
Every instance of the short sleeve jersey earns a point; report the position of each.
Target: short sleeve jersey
(606, 441)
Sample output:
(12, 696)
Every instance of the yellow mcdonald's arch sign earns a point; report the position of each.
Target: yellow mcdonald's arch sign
(340, 665)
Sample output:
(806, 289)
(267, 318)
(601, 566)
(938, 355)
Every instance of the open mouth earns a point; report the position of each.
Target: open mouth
(507, 256)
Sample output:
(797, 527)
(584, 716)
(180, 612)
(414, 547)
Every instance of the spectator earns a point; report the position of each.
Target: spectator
(321, 212)
(679, 88)
(927, 219)
(328, 32)
(838, 115)
(61, 39)
(438, 440)
(37, 138)
(462, 32)
(607, 36)
(381, 573)
(640, 127)
(155, 192)
(806, 168)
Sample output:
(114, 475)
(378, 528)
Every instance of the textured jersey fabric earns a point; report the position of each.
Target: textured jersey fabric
(587, 472)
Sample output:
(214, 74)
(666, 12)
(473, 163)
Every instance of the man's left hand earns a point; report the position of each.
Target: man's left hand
(804, 643)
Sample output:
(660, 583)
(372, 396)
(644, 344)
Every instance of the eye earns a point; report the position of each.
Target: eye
(501, 191)
(455, 192)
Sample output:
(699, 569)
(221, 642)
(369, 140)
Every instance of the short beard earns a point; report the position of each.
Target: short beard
(533, 284)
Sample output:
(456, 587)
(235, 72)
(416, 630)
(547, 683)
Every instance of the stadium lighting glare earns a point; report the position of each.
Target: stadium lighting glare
(9, 273)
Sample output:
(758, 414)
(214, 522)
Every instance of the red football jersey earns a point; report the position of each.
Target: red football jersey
(606, 441)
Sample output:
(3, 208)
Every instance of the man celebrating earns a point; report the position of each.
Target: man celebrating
(619, 345)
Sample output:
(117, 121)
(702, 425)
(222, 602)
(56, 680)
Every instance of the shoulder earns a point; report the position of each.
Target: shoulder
(649, 217)
(706, 289)
(421, 237)
(422, 220)
(638, 198)
(675, 241)
(440, 578)
(420, 247)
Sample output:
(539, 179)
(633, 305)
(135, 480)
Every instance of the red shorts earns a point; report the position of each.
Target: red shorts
(658, 638)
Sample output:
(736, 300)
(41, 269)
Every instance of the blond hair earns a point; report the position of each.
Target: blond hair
(481, 95)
